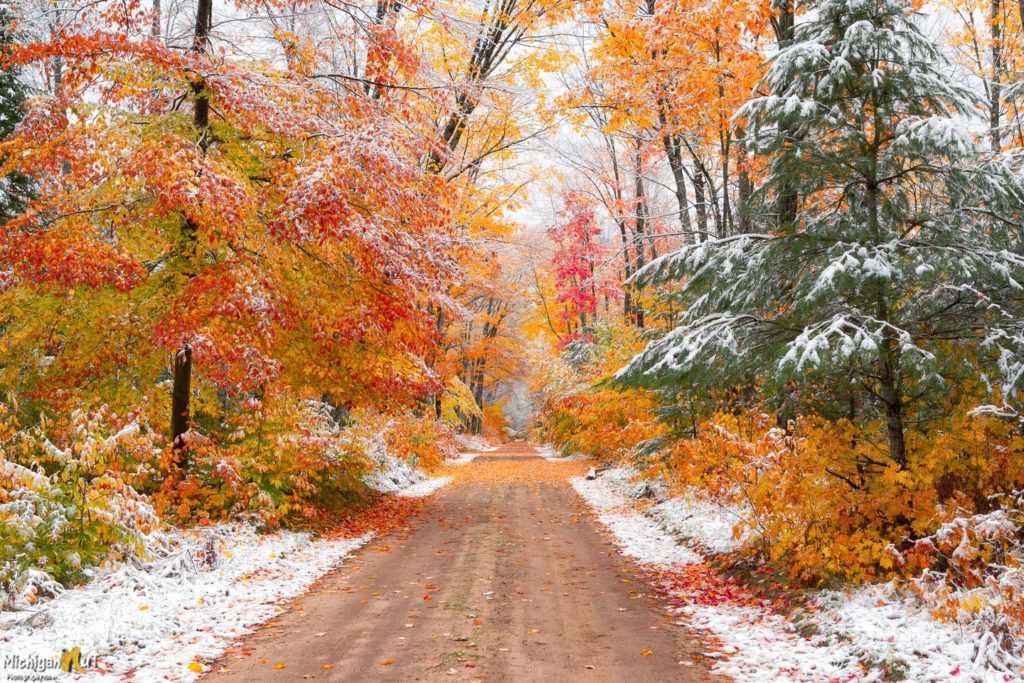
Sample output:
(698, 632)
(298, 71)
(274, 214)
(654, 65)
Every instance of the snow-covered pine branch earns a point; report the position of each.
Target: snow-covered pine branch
(903, 256)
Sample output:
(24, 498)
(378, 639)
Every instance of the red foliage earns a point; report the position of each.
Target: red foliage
(577, 261)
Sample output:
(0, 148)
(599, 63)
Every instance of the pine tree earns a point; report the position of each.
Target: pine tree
(904, 243)
(15, 189)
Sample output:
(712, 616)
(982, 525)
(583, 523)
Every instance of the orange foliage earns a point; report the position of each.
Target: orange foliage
(603, 424)
(821, 501)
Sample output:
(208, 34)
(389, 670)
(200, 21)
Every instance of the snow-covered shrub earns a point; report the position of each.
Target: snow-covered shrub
(817, 500)
(296, 461)
(978, 578)
(472, 442)
(65, 505)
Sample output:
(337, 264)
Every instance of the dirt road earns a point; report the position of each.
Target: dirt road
(504, 577)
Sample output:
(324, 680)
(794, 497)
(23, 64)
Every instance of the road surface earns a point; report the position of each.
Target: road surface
(505, 576)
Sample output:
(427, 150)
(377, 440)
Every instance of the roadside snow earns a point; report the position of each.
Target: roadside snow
(856, 634)
(705, 523)
(473, 443)
(396, 476)
(885, 626)
(202, 591)
(637, 535)
(424, 488)
(548, 452)
(463, 459)
(392, 475)
(762, 647)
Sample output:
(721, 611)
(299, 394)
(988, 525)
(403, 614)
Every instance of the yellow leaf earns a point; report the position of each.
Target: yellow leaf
(196, 667)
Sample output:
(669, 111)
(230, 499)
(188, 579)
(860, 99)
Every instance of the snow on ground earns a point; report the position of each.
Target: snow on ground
(856, 634)
(424, 488)
(391, 474)
(474, 443)
(395, 475)
(159, 617)
(201, 591)
(463, 459)
(638, 536)
(761, 646)
(548, 452)
(882, 625)
(709, 525)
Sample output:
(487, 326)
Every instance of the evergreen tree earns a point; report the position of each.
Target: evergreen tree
(903, 252)
(15, 189)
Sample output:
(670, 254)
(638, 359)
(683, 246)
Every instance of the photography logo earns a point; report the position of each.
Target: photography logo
(71, 660)
(46, 667)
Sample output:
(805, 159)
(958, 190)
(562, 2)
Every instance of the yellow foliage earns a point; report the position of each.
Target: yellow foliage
(823, 501)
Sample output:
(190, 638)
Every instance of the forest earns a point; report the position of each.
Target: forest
(265, 267)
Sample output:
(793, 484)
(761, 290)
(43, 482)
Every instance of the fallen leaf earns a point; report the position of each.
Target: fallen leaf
(328, 666)
(647, 653)
(196, 667)
(144, 608)
(321, 634)
(280, 665)
(387, 662)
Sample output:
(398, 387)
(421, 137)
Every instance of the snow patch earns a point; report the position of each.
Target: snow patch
(548, 452)
(474, 443)
(392, 475)
(705, 523)
(637, 536)
(203, 590)
(463, 459)
(424, 488)
(857, 635)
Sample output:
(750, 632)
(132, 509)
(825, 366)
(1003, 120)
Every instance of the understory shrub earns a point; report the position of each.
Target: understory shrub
(66, 506)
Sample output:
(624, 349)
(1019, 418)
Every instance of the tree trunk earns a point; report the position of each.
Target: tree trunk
(788, 200)
(700, 202)
(890, 394)
(157, 18)
(674, 154)
(996, 85)
(640, 223)
(745, 186)
(181, 392)
(783, 22)
(181, 389)
(627, 299)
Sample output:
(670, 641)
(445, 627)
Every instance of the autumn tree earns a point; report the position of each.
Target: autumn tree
(577, 263)
(880, 284)
(276, 219)
(16, 188)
